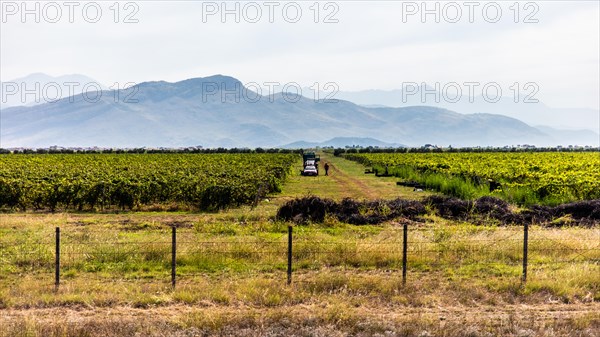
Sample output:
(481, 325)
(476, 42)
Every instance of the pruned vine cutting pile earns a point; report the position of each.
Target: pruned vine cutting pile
(485, 210)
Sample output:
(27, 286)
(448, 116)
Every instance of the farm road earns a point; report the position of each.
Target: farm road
(346, 180)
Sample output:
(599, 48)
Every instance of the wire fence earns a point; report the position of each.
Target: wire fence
(175, 254)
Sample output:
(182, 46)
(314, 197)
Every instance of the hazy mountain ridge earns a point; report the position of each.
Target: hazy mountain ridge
(40, 88)
(196, 112)
(530, 113)
(342, 142)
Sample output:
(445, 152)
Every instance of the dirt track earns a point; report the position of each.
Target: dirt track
(316, 320)
(353, 184)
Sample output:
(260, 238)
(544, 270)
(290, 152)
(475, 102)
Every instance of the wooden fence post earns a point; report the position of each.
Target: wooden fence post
(289, 267)
(57, 259)
(404, 252)
(525, 251)
(173, 255)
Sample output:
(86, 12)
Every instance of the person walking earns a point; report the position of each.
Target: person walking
(326, 169)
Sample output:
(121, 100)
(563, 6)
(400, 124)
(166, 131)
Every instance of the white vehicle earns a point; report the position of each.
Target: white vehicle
(310, 170)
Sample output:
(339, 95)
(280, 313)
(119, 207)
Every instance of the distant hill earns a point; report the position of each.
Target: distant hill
(571, 137)
(205, 111)
(48, 89)
(342, 142)
(530, 113)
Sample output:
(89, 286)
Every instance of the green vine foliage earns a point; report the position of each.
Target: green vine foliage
(124, 181)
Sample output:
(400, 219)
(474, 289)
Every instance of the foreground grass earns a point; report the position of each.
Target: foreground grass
(354, 287)
(127, 262)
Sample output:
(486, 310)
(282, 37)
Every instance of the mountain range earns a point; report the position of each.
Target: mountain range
(530, 113)
(338, 142)
(217, 111)
(39, 88)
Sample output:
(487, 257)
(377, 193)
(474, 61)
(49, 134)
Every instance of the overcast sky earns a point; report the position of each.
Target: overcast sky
(373, 44)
